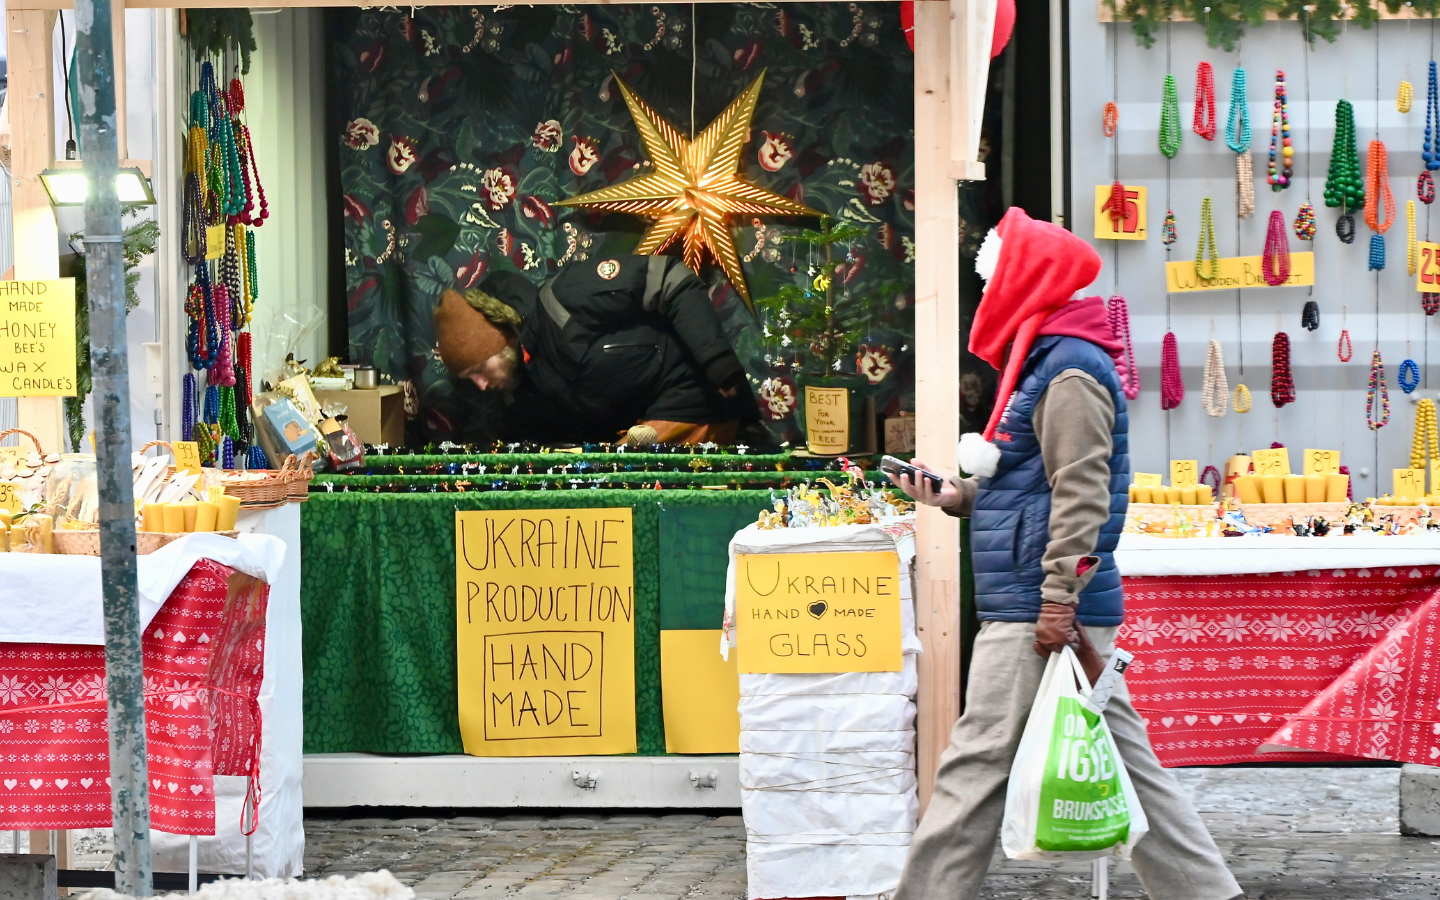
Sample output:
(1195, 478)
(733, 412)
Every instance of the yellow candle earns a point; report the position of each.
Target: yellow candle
(229, 512)
(1314, 488)
(5, 515)
(1203, 495)
(1272, 488)
(207, 515)
(1187, 495)
(1335, 488)
(1139, 494)
(174, 518)
(1294, 488)
(4, 537)
(1248, 488)
(41, 533)
(191, 508)
(152, 517)
(1132, 493)
(1172, 494)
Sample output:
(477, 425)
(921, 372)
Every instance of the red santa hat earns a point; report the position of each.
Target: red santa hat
(1031, 269)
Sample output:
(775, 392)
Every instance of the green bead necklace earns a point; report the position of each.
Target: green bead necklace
(1170, 130)
(1207, 242)
(1345, 185)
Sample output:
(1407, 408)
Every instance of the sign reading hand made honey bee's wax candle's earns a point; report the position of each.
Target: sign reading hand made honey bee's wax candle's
(545, 616)
(818, 612)
(37, 338)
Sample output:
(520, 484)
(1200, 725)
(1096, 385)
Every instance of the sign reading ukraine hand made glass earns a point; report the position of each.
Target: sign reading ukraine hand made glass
(545, 622)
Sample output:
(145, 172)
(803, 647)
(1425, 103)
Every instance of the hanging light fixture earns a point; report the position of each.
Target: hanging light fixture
(70, 186)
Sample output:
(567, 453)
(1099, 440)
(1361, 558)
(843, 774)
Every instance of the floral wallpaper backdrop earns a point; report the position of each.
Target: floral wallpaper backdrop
(461, 126)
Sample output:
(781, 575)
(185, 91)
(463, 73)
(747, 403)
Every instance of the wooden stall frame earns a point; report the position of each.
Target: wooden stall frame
(952, 41)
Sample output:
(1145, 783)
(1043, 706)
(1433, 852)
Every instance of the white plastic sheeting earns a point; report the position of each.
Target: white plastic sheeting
(279, 840)
(827, 762)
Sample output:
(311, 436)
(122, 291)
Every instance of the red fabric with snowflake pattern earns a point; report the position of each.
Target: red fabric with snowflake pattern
(1222, 661)
(203, 658)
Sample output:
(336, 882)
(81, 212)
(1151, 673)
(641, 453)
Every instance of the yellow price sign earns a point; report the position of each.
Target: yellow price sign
(11, 455)
(187, 456)
(214, 492)
(8, 498)
(1129, 225)
(1184, 472)
(1322, 462)
(1148, 479)
(1409, 484)
(1427, 269)
(1271, 462)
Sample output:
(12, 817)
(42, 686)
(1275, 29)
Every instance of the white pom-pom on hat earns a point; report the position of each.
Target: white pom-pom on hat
(977, 456)
(989, 256)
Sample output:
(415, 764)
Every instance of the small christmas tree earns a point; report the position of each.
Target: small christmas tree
(818, 311)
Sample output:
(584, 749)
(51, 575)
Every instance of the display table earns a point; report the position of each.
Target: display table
(203, 653)
(1266, 649)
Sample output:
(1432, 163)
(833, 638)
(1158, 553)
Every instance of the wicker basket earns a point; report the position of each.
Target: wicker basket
(1274, 513)
(86, 542)
(33, 439)
(263, 493)
(304, 474)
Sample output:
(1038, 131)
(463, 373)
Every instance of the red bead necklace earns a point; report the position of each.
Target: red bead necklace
(1204, 124)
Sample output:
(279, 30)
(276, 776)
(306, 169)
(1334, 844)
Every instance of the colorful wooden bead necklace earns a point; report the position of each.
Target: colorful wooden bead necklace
(1425, 188)
(1167, 230)
(1207, 244)
(1430, 302)
(1426, 436)
(1214, 392)
(1408, 376)
(1110, 119)
(1172, 386)
(1345, 349)
(1405, 97)
(1305, 222)
(1412, 248)
(1431, 151)
(1344, 187)
(1378, 195)
(1275, 262)
(1282, 385)
(1281, 152)
(1170, 131)
(1237, 138)
(1204, 122)
(1118, 314)
(1377, 386)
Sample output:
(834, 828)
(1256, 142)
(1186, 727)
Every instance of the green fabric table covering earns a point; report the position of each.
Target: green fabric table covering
(378, 604)
(562, 481)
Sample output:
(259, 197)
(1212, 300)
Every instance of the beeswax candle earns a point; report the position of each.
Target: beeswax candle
(1139, 494)
(174, 518)
(4, 537)
(1247, 488)
(1132, 493)
(1314, 488)
(191, 508)
(1187, 495)
(40, 533)
(1336, 487)
(1203, 495)
(152, 517)
(229, 512)
(207, 515)
(5, 515)
(1294, 488)
(1272, 488)
(1172, 495)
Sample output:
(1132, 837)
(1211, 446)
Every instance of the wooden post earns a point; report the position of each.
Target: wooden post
(937, 384)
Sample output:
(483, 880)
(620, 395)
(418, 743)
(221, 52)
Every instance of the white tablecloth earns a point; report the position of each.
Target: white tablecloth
(1140, 554)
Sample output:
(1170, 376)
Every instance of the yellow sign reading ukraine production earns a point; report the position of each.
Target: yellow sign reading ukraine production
(1236, 272)
(37, 338)
(818, 612)
(545, 615)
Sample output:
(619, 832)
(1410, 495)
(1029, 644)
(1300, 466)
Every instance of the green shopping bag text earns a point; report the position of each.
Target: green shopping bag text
(1082, 803)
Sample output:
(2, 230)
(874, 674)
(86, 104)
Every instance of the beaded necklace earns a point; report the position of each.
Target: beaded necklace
(203, 337)
(1405, 96)
(1172, 387)
(1377, 193)
(1240, 400)
(1281, 152)
(1377, 386)
(1426, 436)
(1345, 349)
(1115, 206)
(248, 169)
(1214, 390)
(1343, 185)
(1237, 138)
(1167, 230)
(1110, 119)
(1430, 302)
(1207, 243)
(1425, 188)
(228, 426)
(1204, 121)
(1170, 131)
(1408, 376)
(1119, 315)
(257, 458)
(1282, 384)
(1431, 151)
(1310, 316)
(1412, 249)
(1305, 223)
(192, 225)
(1275, 262)
(187, 407)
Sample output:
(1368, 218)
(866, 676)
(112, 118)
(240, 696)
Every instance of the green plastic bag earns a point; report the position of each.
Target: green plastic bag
(1069, 795)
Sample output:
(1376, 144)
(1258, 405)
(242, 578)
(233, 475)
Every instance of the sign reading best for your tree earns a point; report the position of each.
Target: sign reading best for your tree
(545, 616)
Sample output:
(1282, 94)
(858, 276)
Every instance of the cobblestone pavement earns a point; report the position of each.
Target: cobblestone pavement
(1288, 834)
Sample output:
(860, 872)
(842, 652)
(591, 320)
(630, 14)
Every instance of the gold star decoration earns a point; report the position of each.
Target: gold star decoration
(694, 187)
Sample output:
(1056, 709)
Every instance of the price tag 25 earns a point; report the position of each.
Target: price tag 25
(1272, 462)
(1184, 472)
(1148, 479)
(187, 456)
(1409, 484)
(9, 500)
(1322, 462)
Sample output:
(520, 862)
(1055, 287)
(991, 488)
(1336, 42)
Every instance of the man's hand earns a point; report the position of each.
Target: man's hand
(922, 491)
(729, 393)
(1090, 659)
(1055, 629)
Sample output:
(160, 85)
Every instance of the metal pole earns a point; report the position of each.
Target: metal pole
(105, 286)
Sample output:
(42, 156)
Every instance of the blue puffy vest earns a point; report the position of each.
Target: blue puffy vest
(1010, 522)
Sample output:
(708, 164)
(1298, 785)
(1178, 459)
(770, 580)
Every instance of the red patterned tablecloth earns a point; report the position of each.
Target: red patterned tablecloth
(1336, 661)
(203, 658)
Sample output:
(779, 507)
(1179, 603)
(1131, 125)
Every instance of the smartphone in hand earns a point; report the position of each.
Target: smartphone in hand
(896, 467)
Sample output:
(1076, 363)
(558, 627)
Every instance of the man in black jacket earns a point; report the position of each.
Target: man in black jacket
(599, 348)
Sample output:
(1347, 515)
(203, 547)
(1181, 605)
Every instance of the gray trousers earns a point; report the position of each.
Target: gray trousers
(951, 851)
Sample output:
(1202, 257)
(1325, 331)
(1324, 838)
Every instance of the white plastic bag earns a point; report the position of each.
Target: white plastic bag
(1069, 795)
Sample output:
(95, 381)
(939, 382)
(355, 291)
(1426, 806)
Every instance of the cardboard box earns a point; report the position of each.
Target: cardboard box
(376, 417)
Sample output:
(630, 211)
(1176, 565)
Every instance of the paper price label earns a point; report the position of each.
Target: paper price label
(1409, 484)
(1322, 462)
(8, 498)
(187, 456)
(1427, 272)
(11, 455)
(214, 492)
(1272, 462)
(1131, 226)
(1184, 472)
(1148, 479)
